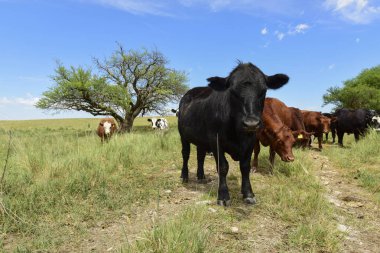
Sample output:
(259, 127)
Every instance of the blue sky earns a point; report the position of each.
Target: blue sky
(319, 44)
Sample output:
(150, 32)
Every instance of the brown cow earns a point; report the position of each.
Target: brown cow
(293, 118)
(317, 123)
(283, 127)
(274, 134)
(106, 129)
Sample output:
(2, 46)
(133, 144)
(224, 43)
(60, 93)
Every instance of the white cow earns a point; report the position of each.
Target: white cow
(159, 123)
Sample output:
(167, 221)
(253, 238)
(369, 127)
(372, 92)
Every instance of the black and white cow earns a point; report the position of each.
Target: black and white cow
(223, 118)
(375, 124)
(352, 121)
(159, 123)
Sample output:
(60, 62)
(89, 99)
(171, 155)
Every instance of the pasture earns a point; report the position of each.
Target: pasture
(62, 191)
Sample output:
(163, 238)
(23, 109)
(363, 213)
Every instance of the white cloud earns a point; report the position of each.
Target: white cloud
(356, 11)
(29, 100)
(264, 31)
(331, 66)
(300, 28)
(279, 35)
(357, 40)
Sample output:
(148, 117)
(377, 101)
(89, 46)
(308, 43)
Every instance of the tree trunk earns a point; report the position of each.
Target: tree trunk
(126, 125)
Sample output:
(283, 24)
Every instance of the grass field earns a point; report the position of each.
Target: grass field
(63, 191)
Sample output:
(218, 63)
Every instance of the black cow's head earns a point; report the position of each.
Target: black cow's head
(247, 86)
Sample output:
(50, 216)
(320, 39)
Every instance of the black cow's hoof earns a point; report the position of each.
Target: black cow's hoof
(250, 200)
(185, 180)
(221, 202)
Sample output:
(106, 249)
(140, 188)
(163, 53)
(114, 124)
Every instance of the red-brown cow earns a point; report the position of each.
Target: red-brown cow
(317, 123)
(274, 134)
(106, 129)
(283, 126)
(293, 118)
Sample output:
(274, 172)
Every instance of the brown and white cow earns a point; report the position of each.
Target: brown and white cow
(317, 123)
(106, 129)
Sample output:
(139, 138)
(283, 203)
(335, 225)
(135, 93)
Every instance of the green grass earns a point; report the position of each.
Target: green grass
(58, 184)
(61, 182)
(189, 232)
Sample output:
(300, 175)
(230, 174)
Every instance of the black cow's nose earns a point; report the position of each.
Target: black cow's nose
(251, 123)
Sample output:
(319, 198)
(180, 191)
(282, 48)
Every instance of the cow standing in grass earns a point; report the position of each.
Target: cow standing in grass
(106, 128)
(223, 118)
(283, 126)
(160, 123)
(317, 123)
(352, 121)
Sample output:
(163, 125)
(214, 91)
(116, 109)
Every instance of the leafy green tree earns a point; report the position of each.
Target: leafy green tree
(362, 91)
(126, 84)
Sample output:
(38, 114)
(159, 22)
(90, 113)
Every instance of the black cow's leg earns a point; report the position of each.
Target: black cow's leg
(256, 152)
(327, 136)
(222, 167)
(185, 158)
(201, 154)
(340, 137)
(333, 132)
(246, 189)
(272, 154)
(356, 134)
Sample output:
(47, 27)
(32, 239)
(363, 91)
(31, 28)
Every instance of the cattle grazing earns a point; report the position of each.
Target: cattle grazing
(106, 129)
(352, 121)
(223, 118)
(317, 123)
(332, 126)
(160, 123)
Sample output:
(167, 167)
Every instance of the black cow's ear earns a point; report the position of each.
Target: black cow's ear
(218, 83)
(277, 81)
(149, 119)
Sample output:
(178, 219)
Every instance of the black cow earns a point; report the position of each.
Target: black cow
(223, 118)
(352, 121)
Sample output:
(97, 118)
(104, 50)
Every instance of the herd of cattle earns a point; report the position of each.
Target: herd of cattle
(232, 115)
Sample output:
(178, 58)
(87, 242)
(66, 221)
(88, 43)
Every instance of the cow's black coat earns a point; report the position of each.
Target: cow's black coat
(227, 112)
(352, 121)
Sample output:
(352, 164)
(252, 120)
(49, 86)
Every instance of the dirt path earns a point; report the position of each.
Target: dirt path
(357, 215)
